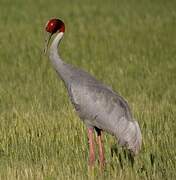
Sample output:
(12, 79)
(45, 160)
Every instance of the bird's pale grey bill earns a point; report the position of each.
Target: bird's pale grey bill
(47, 40)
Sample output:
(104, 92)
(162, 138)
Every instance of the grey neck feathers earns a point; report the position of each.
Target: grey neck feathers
(53, 52)
(56, 61)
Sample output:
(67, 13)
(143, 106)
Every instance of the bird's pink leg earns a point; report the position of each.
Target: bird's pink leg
(91, 147)
(100, 148)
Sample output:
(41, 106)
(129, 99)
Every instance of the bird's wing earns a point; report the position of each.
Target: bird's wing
(113, 97)
(89, 92)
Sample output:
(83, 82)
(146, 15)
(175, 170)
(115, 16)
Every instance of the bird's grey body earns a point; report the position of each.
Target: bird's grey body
(97, 104)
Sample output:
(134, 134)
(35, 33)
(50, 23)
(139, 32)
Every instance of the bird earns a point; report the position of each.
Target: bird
(97, 105)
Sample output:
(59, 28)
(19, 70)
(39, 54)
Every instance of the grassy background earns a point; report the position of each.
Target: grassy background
(129, 45)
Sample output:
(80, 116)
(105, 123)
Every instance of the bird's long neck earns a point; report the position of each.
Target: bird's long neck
(54, 56)
(53, 52)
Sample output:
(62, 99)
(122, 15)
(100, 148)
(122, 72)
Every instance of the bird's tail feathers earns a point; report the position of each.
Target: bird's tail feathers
(129, 135)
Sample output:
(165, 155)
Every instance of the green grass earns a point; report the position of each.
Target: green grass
(129, 45)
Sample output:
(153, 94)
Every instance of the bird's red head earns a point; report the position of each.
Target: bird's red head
(55, 25)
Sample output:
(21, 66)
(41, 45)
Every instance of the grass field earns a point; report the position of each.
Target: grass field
(129, 45)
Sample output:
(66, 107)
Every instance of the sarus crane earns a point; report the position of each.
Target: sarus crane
(97, 105)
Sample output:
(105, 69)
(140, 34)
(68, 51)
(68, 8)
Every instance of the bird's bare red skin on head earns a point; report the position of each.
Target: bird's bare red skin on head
(55, 25)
